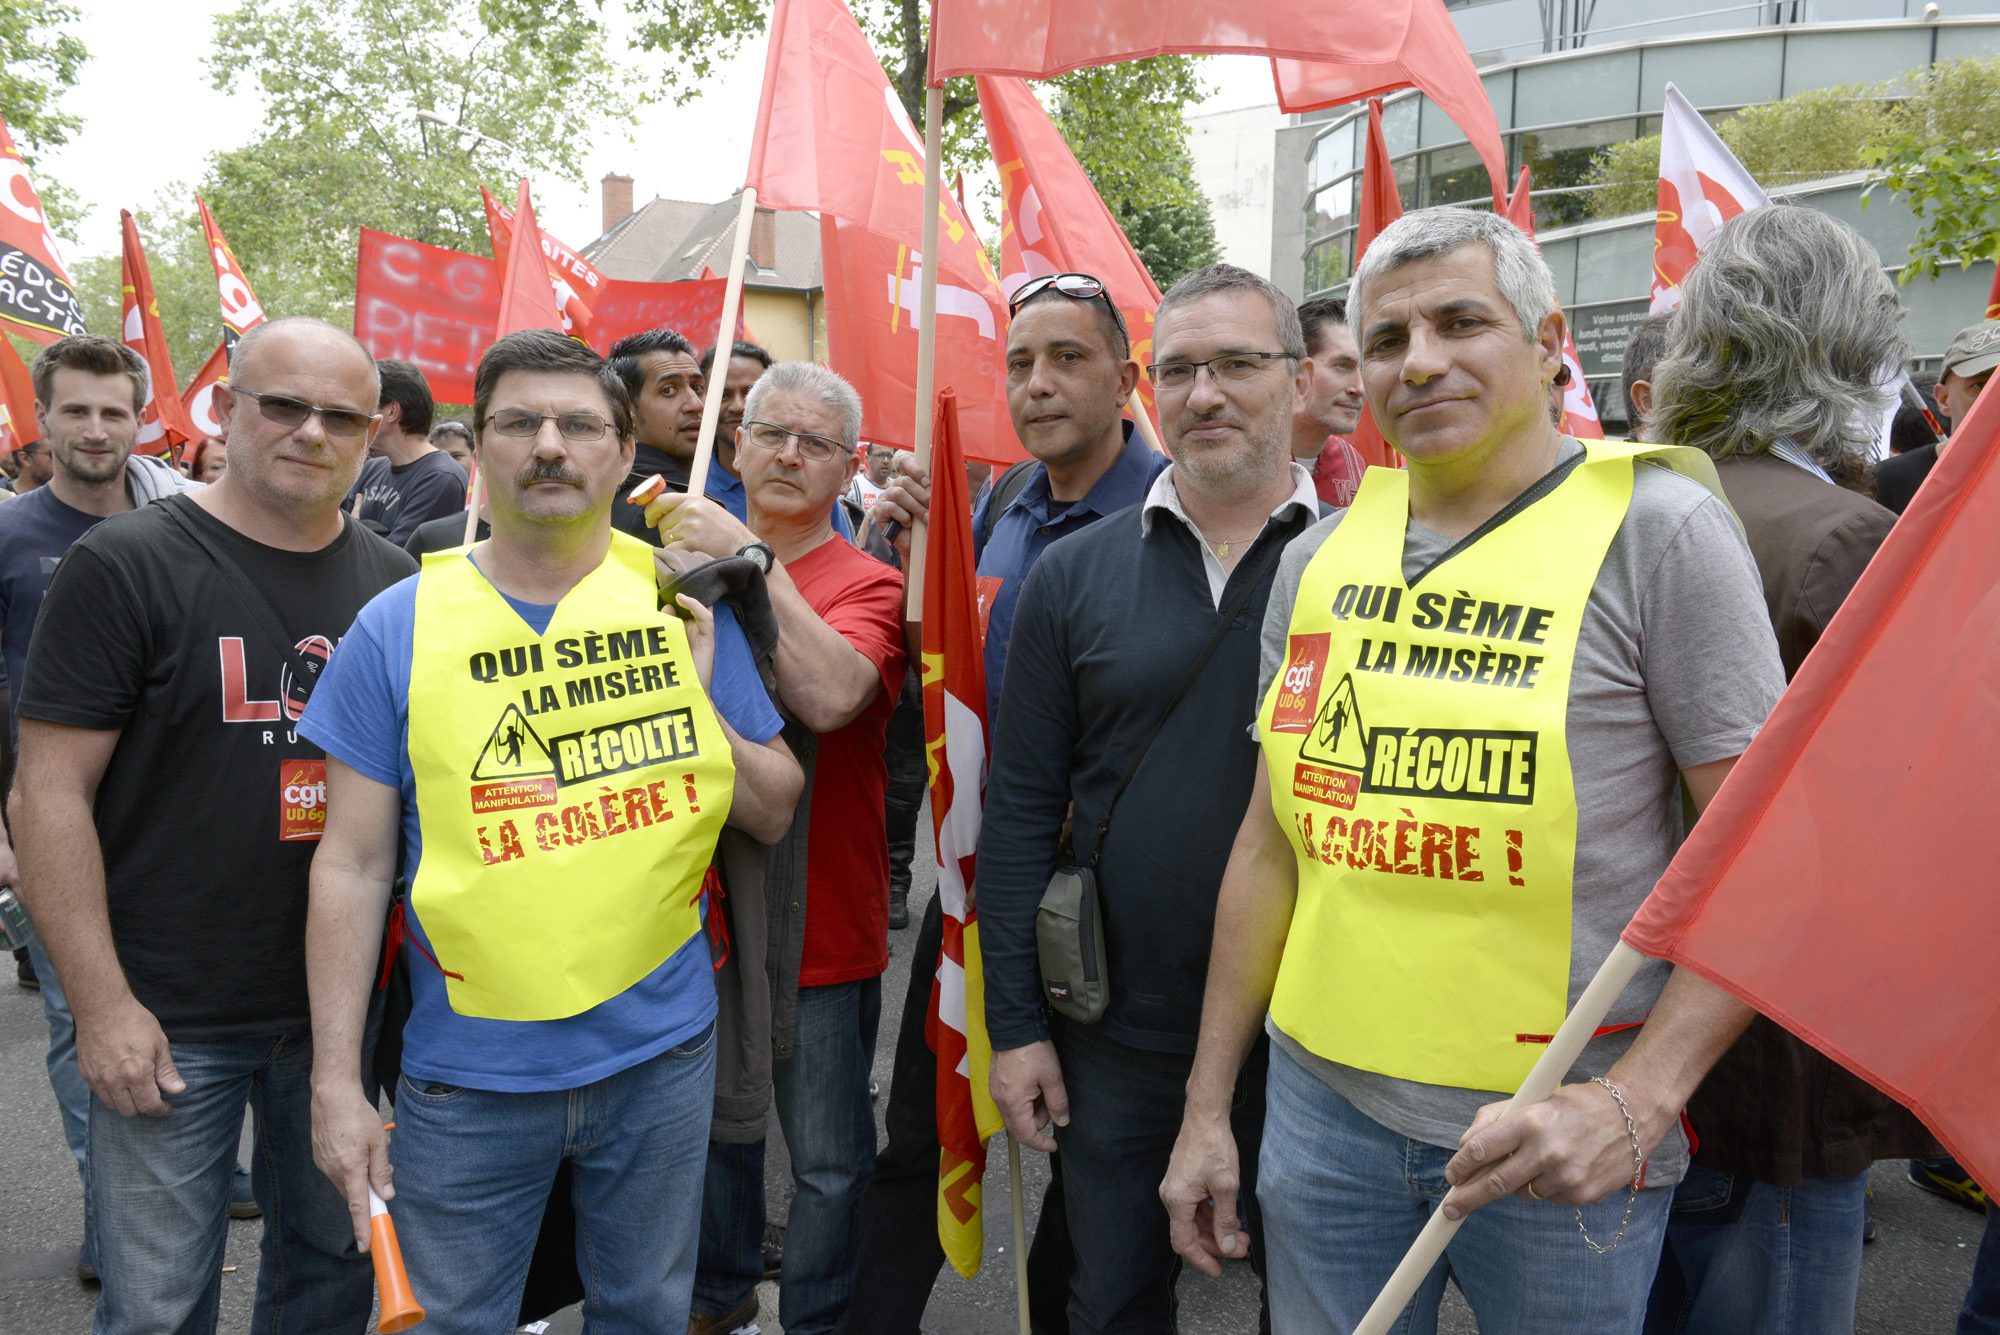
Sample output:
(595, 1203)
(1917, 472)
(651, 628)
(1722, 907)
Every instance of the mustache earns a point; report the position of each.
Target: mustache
(549, 470)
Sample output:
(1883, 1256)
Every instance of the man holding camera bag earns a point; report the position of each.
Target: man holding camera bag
(1128, 694)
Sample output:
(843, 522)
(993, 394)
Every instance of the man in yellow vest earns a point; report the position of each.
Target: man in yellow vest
(1485, 684)
(556, 752)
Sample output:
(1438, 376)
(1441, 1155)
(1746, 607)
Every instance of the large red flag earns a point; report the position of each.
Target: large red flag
(833, 138)
(1381, 204)
(241, 311)
(527, 301)
(164, 425)
(199, 393)
(1579, 412)
(1865, 806)
(17, 401)
(1322, 55)
(954, 682)
(575, 280)
(1056, 221)
(37, 298)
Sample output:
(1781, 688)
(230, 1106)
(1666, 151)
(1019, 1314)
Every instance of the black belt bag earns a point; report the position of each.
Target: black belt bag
(1069, 924)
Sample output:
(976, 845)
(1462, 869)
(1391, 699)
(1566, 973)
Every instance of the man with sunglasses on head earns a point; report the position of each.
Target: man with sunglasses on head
(547, 753)
(175, 653)
(839, 668)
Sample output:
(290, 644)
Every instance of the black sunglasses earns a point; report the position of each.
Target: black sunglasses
(290, 413)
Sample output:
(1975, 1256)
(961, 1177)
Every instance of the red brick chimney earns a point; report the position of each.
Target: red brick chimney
(617, 196)
(764, 238)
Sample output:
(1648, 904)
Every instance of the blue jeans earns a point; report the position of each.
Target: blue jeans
(72, 1095)
(821, 1092)
(732, 1227)
(158, 1201)
(1343, 1198)
(1981, 1313)
(1745, 1255)
(474, 1170)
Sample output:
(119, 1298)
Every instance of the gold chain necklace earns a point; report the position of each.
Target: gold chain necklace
(1221, 549)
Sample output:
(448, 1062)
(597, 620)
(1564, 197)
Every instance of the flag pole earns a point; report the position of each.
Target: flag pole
(1020, 1235)
(913, 578)
(725, 335)
(1556, 1059)
(474, 503)
(1147, 431)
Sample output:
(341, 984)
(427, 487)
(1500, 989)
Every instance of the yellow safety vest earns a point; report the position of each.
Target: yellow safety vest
(1416, 739)
(570, 787)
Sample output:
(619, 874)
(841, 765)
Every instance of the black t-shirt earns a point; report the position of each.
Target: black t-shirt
(35, 531)
(646, 462)
(441, 535)
(209, 811)
(394, 499)
(1897, 479)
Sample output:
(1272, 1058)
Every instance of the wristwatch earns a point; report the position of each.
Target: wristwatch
(761, 553)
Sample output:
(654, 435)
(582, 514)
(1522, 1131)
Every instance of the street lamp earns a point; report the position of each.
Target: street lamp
(431, 117)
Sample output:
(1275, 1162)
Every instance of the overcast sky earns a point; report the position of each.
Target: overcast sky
(150, 118)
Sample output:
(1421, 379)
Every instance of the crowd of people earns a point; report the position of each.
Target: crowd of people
(577, 851)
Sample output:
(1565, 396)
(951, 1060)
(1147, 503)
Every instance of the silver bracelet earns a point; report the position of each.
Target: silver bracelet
(1638, 1175)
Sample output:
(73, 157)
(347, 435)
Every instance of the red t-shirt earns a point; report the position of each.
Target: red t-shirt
(847, 847)
(1337, 473)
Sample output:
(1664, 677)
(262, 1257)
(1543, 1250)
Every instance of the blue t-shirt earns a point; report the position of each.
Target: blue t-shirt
(1006, 546)
(35, 532)
(726, 490)
(360, 715)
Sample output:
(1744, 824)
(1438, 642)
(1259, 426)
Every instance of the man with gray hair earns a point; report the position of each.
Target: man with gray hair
(1773, 361)
(1484, 685)
(839, 669)
(1126, 701)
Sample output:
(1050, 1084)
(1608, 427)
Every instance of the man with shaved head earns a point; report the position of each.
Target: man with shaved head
(176, 651)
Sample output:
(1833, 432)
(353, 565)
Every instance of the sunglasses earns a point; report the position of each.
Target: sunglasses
(290, 413)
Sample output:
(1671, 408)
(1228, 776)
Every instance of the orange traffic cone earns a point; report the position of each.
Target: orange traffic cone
(400, 1308)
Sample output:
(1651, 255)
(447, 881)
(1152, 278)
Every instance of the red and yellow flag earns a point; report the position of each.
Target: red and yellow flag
(575, 280)
(527, 301)
(199, 393)
(164, 425)
(241, 311)
(37, 299)
(954, 681)
(17, 401)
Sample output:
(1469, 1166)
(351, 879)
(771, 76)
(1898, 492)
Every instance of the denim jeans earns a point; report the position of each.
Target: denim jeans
(1981, 1313)
(473, 1172)
(158, 1201)
(72, 1095)
(821, 1092)
(1344, 1197)
(732, 1227)
(1743, 1255)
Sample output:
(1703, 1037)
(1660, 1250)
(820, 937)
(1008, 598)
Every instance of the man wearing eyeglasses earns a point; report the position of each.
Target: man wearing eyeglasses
(556, 754)
(1129, 674)
(175, 653)
(839, 667)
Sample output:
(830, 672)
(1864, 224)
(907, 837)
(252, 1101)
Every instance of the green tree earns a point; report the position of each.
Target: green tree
(1941, 154)
(40, 63)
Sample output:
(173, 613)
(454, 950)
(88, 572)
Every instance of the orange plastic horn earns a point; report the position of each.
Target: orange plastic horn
(400, 1308)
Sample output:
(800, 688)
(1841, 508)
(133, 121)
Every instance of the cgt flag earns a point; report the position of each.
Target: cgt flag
(1381, 204)
(1702, 186)
(576, 281)
(164, 424)
(17, 402)
(199, 393)
(1579, 412)
(240, 310)
(1863, 807)
(37, 299)
(954, 688)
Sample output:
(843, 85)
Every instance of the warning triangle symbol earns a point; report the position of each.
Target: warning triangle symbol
(1338, 736)
(514, 751)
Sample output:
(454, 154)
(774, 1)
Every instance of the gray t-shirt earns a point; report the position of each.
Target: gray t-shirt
(1676, 666)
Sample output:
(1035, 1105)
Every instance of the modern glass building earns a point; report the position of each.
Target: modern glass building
(1569, 78)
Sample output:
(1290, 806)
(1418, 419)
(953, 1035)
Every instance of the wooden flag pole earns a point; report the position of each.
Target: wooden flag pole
(1556, 1059)
(474, 502)
(1020, 1235)
(913, 578)
(725, 335)
(1147, 431)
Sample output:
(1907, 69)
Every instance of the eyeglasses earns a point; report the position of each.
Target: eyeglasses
(1231, 367)
(579, 427)
(772, 437)
(290, 413)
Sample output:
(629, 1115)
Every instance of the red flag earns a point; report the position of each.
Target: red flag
(954, 690)
(1056, 221)
(575, 280)
(1579, 412)
(17, 401)
(833, 138)
(527, 301)
(240, 310)
(1864, 807)
(36, 296)
(1702, 186)
(164, 425)
(1993, 297)
(1321, 55)
(437, 308)
(199, 393)
(1520, 207)
(1381, 204)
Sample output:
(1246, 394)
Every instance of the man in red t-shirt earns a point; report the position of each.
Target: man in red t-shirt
(839, 667)
(1330, 407)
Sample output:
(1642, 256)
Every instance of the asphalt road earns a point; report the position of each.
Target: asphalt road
(1913, 1276)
